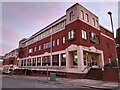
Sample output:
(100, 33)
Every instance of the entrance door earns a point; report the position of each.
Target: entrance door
(91, 59)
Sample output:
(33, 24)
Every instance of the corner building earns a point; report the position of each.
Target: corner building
(70, 44)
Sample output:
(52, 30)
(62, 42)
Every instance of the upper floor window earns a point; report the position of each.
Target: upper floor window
(47, 45)
(97, 23)
(30, 50)
(34, 49)
(53, 43)
(97, 39)
(87, 17)
(84, 34)
(39, 48)
(63, 40)
(58, 42)
(93, 21)
(71, 15)
(82, 14)
(94, 38)
(71, 34)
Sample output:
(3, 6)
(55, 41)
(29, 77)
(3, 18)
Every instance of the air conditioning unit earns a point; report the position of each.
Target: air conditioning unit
(92, 39)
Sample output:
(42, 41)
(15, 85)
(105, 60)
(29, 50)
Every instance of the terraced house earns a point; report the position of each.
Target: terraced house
(71, 44)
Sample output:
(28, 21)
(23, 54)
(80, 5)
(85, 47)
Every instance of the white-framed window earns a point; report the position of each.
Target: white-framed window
(71, 15)
(58, 42)
(30, 50)
(71, 34)
(84, 34)
(63, 40)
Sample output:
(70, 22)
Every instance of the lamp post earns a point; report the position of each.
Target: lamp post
(116, 56)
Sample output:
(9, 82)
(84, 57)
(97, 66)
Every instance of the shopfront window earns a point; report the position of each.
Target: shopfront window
(39, 61)
(34, 61)
(63, 59)
(46, 60)
(55, 60)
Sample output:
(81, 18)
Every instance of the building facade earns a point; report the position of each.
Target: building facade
(10, 58)
(118, 43)
(72, 43)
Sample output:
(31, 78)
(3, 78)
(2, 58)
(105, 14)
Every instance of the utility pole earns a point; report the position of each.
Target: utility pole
(116, 56)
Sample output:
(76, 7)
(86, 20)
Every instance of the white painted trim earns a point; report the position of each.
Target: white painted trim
(107, 36)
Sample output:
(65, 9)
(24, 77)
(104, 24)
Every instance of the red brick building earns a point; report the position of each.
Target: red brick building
(10, 58)
(69, 44)
(118, 43)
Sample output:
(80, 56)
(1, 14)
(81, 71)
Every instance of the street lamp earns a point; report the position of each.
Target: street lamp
(116, 56)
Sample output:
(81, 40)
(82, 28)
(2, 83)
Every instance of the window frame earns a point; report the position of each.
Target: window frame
(84, 34)
(71, 34)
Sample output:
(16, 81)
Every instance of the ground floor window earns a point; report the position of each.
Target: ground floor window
(25, 62)
(34, 62)
(17, 63)
(39, 61)
(46, 60)
(55, 60)
(21, 62)
(28, 62)
(75, 61)
(63, 59)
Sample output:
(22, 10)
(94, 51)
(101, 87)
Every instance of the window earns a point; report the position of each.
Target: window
(92, 37)
(71, 16)
(93, 21)
(25, 62)
(47, 45)
(28, 62)
(97, 23)
(34, 61)
(63, 39)
(53, 43)
(82, 14)
(39, 48)
(62, 24)
(97, 39)
(57, 41)
(39, 61)
(30, 50)
(21, 62)
(84, 34)
(94, 61)
(63, 59)
(71, 35)
(46, 60)
(87, 18)
(34, 49)
(55, 60)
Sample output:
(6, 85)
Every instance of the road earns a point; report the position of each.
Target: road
(21, 82)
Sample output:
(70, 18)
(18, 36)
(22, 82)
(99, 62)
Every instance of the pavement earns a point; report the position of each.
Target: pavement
(102, 85)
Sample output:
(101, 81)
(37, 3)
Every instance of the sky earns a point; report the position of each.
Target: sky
(23, 19)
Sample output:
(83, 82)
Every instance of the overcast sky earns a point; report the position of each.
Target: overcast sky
(22, 19)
